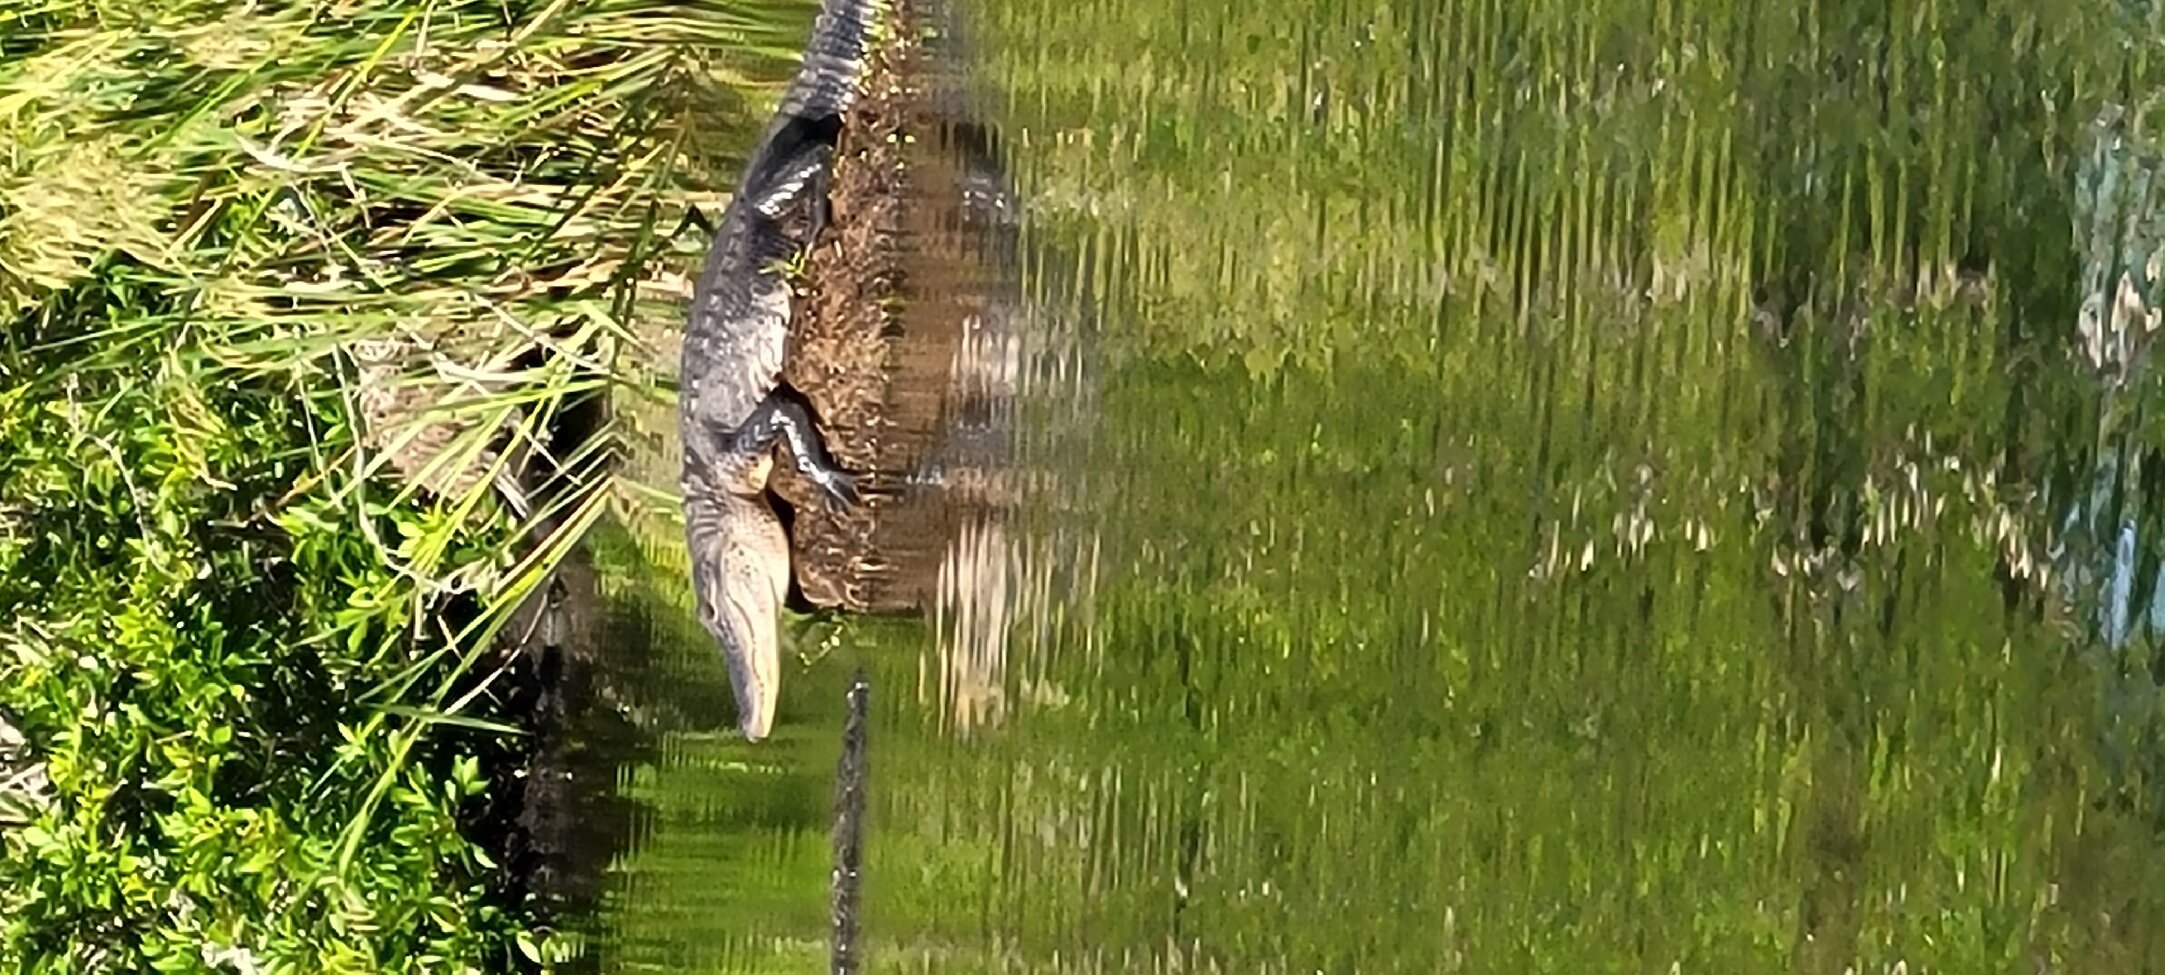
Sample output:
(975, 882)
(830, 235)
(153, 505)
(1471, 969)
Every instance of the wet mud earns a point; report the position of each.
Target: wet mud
(887, 339)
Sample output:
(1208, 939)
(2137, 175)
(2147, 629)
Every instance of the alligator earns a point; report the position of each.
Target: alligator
(734, 408)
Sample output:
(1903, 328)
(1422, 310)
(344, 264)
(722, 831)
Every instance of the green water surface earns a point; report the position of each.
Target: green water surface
(1566, 488)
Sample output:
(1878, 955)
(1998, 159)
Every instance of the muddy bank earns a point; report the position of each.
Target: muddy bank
(895, 339)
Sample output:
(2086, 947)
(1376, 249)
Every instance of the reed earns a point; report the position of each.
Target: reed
(299, 300)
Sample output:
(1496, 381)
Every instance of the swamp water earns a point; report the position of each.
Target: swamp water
(1511, 487)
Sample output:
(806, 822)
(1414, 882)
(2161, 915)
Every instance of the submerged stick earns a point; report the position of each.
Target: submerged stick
(849, 802)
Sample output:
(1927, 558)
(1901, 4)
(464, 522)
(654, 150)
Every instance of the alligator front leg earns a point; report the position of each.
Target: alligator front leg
(781, 417)
(806, 170)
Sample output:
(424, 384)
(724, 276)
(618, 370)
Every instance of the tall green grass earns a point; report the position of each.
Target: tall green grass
(289, 291)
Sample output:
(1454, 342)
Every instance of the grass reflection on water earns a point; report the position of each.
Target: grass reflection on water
(1570, 488)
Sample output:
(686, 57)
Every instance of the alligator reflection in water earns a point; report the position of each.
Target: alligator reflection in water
(993, 574)
(927, 423)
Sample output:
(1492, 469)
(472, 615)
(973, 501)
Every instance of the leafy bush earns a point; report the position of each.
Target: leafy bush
(291, 288)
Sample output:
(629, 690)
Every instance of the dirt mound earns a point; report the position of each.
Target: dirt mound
(875, 342)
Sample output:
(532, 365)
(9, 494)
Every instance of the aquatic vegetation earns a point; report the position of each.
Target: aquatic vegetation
(307, 314)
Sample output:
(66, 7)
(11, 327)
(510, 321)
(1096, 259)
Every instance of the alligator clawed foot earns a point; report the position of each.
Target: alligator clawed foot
(782, 416)
(839, 488)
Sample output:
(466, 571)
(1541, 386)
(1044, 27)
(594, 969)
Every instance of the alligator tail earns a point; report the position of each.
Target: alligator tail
(826, 84)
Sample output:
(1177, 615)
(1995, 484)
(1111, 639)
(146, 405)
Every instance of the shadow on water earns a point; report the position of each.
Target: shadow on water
(556, 818)
(572, 821)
